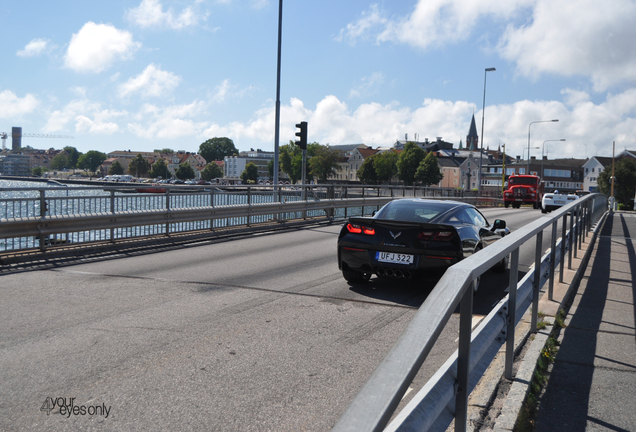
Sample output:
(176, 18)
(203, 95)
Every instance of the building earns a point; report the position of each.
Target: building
(15, 165)
(591, 170)
(235, 165)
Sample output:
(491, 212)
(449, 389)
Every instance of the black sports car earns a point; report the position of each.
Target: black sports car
(409, 237)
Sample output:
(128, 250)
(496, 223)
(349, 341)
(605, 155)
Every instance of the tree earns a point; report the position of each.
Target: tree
(624, 183)
(270, 168)
(290, 161)
(73, 156)
(367, 173)
(91, 160)
(159, 169)
(250, 173)
(211, 171)
(185, 171)
(215, 149)
(139, 166)
(323, 162)
(385, 165)
(60, 161)
(38, 171)
(408, 162)
(428, 172)
(116, 169)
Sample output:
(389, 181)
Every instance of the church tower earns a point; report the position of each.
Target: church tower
(472, 139)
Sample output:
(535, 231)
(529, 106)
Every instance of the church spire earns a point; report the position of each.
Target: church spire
(472, 139)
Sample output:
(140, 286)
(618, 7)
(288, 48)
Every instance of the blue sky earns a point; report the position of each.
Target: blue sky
(152, 74)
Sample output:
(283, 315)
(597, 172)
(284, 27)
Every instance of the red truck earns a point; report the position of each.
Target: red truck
(523, 189)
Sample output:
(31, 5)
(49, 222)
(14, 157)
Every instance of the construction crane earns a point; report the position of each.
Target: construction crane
(5, 135)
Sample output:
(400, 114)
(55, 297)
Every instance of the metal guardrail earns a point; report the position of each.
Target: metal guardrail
(50, 217)
(445, 396)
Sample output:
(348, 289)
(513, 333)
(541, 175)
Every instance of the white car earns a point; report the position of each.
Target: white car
(554, 200)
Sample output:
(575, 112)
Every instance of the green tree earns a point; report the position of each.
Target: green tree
(250, 173)
(116, 169)
(91, 160)
(164, 151)
(160, 169)
(408, 162)
(73, 156)
(38, 171)
(367, 173)
(60, 161)
(323, 162)
(211, 171)
(270, 168)
(428, 172)
(139, 166)
(624, 183)
(185, 171)
(290, 160)
(385, 165)
(215, 149)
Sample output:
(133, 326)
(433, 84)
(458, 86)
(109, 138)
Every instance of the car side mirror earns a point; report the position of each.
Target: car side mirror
(499, 224)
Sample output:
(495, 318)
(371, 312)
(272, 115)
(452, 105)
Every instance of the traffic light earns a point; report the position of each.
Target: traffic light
(302, 134)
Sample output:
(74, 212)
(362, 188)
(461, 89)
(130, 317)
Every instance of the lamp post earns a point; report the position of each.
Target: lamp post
(538, 121)
(503, 171)
(483, 110)
(542, 147)
(533, 148)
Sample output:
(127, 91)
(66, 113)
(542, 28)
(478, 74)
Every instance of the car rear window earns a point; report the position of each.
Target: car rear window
(412, 211)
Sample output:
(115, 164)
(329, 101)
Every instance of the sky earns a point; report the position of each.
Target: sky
(142, 75)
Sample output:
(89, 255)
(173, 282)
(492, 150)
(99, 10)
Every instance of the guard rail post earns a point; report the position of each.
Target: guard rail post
(536, 283)
(463, 357)
(249, 203)
(570, 239)
(512, 309)
(552, 260)
(564, 224)
(581, 224)
(212, 205)
(575, 239)
(42, 214)
(168, 209)
(112, 210)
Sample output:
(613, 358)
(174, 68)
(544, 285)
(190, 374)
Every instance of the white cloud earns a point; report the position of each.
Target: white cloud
(576, 38)
(368, 85)
(150, 14)
(12, 106)
(86, 117)
(34, 48)
(152, 82)
(227, 90)
(354, 31)
(96, 46)
(171, 122)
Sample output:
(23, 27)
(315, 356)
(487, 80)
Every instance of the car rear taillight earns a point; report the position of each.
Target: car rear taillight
(435, 235)
(359, 229)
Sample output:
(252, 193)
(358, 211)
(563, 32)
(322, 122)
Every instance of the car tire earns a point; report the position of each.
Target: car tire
(507, 204)
(355, 276)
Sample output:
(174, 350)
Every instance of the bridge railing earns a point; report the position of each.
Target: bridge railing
(43, 218)
(445, 396)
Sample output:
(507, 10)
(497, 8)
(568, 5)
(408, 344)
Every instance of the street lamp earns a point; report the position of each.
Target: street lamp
(542, 147)
(483, 110)
(538, 121)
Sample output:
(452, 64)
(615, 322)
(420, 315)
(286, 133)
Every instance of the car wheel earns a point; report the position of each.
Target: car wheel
(507, 204)
(355, 276)
(534, 205)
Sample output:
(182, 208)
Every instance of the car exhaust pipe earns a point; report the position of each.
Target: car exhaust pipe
(380, 271)
(398, 273)
(389, 272)
(406, 274)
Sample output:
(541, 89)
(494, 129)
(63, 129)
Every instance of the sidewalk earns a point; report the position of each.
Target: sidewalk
(592, 385)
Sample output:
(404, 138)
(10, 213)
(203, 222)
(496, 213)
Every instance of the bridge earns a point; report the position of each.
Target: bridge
(253, 330)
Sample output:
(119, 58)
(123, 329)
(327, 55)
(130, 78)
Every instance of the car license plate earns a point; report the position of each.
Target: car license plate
(559, 202)
(395, 258)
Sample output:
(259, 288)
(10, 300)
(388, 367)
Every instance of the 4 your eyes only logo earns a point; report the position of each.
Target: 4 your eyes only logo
(67, 407)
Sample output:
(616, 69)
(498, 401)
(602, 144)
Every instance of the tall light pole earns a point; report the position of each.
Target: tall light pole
(481, 141)
(538, 121)
(542, 147)
(523, 151)
(277, 115)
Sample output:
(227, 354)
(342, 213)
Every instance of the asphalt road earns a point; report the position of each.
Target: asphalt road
(258, 334)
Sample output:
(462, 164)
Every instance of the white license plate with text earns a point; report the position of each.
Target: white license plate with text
(394, 258)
